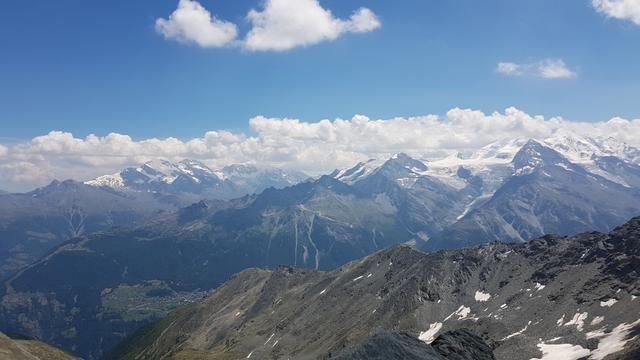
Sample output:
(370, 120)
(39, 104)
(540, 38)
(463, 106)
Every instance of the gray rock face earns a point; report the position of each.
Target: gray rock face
(462, 344)
(569, 297)
(453, 345)
(629, 173)
(426, 204)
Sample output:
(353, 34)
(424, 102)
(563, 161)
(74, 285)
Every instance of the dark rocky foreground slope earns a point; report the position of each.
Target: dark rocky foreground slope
(24, 349)
(452, 345)
(568, 297)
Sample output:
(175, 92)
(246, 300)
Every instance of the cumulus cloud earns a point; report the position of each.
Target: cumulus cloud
(285, 24)
(279, 25)
(547, 69)
(192, 23)
(313, 147)
(555, 69)
(509, 68)
(619, 9)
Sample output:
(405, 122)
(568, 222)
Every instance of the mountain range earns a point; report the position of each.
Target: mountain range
(192, 180)
(546, 194)
(35, 222)
(99, 287)
(554, 297)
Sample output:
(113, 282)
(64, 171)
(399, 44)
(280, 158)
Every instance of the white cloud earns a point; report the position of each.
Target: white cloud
(555, 69)
(286, 24)
(3, 151)
(619, 9)
(280, 25)
(547, 69)
(192, 23)
(362, 21)
(314, 147)
(509, 68)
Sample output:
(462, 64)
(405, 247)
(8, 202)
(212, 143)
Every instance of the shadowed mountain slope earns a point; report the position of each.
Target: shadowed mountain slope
(554, 295)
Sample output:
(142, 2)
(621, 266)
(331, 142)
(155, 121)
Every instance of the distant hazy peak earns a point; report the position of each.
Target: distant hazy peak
(194, 177)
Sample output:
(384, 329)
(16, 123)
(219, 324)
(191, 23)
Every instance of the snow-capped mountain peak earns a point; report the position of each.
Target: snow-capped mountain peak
(167, 172)
(534, 155)
(499, 151)
(576, 148)
(113, 181)
(358, 172)
(402, 161)
(398, 166)
(581, 149)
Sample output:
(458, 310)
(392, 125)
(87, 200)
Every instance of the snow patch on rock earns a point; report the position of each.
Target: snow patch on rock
(430, 335)
(578, 320)
(482, 296)
(561, 352)
(614, 341)
(608, 303)
(597, 320)
(462, 313)
(517, 332)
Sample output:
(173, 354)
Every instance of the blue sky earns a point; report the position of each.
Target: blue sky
(101, 66)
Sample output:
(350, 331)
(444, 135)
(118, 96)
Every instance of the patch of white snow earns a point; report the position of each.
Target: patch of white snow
(462, 313)
(562, 352)
(597, 320)
(482, 296)
(578, 320)
(517, 332)
(614, 341)
(430, 335)
(608, 303)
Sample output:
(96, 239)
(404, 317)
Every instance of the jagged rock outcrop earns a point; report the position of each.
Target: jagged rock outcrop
(453, 345)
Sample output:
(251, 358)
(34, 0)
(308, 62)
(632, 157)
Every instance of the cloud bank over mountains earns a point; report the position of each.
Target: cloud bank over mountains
(280, 25)
(313, 147)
